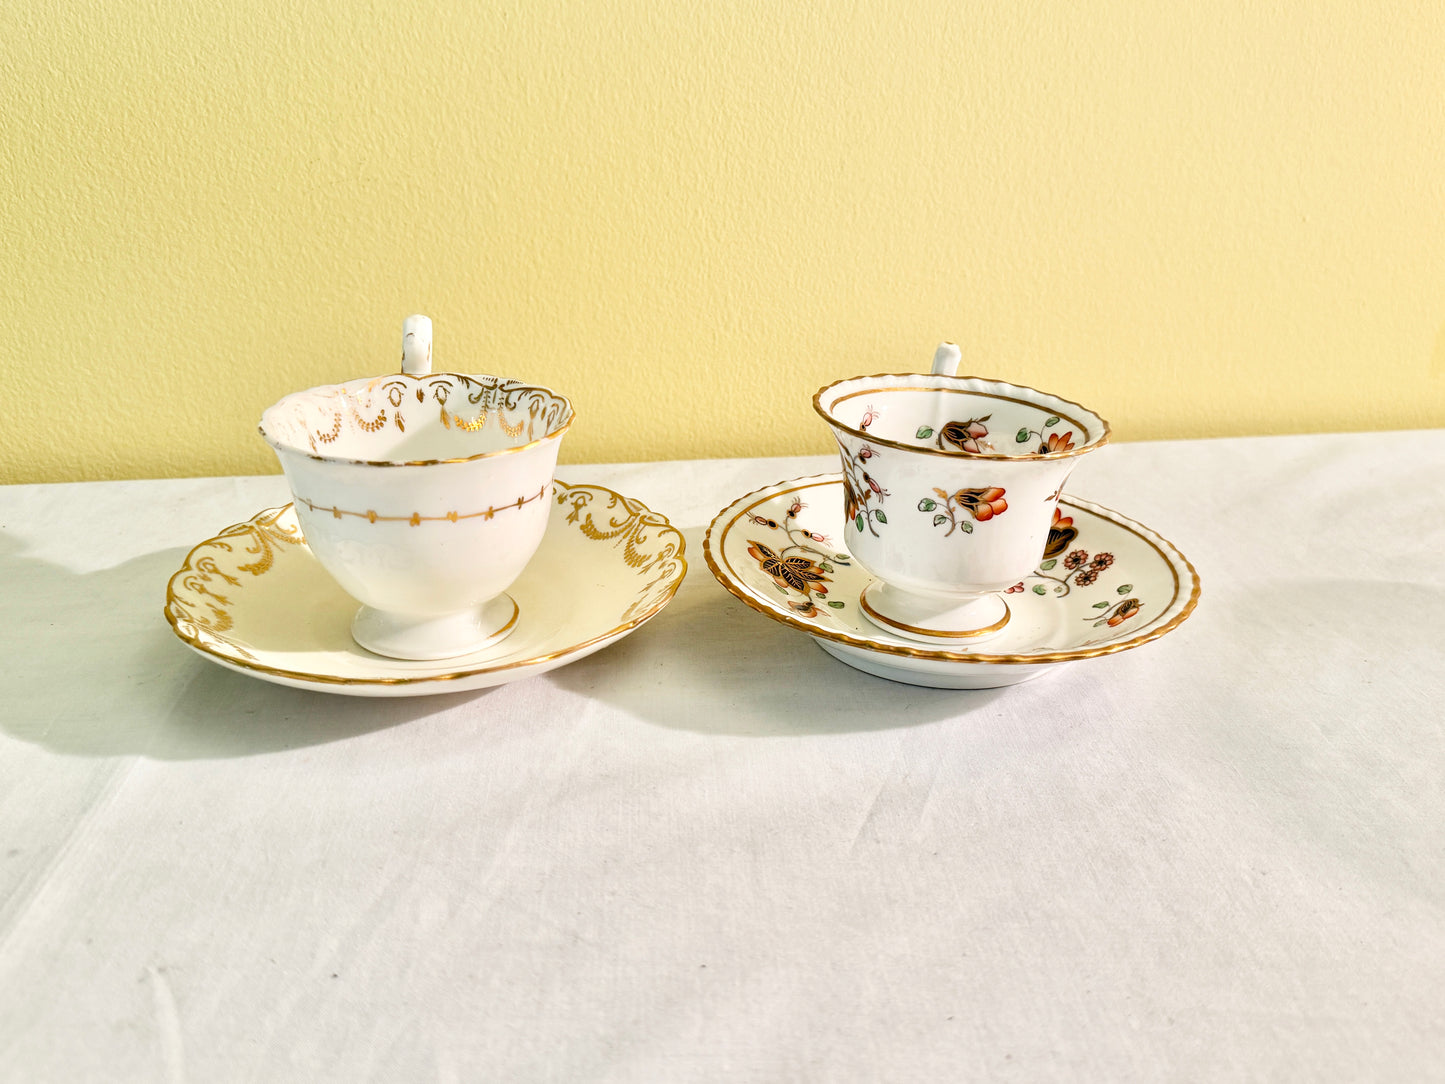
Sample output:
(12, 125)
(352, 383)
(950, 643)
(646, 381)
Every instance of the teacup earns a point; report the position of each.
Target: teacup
(423, 494)
(951, 486)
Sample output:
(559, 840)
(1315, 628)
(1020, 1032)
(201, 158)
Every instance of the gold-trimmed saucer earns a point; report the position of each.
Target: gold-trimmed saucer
(256, 600)
(1104, 584)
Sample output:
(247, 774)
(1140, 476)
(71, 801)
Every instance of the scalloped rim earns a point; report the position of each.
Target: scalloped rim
(634, 507)
(321, 389)
(982, 385)
(1163, 545)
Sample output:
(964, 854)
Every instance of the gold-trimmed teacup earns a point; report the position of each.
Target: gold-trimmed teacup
(951, 485)
(423, 494)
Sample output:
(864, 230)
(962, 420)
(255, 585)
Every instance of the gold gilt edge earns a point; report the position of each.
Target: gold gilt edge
(637, 511)
(1161, 544)
(884, 442)
(556, 434)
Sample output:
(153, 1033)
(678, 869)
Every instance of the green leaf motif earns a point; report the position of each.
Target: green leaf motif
(1101, 605)
(1098, 623)
(836, 605)
(858, 521)
(1052, 421)
(1023, 435)
(1126, 589)
(928, 504)
(939, 520)
(881, 517)
(841, 557)
(1050, 563)
(825, 566)
(1039, 589)
(924, 432)
(967, 527)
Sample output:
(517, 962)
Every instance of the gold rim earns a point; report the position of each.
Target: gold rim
(634, 507)
(939, 633)
(728, 580)
(884, 442)
(556, 434)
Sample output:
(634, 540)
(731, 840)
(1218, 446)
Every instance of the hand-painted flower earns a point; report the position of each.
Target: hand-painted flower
(1075, 559)
(853, 501)
(1102, 561)
(1062, 532)
(1125, 610)
(963, 435)
(1015, 589)
(982, 504)
(1056, 443)
(795, 573)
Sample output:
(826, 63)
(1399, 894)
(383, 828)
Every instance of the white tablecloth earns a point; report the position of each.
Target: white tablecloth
(711, 852)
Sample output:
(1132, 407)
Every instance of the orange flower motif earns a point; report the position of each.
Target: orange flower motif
(1125, 610)
(796, 573)
(1062, 533)
(1056, 443)
(982, 504)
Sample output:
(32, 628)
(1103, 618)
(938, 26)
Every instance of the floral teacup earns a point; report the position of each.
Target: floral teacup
(423, 494)
(951, 484)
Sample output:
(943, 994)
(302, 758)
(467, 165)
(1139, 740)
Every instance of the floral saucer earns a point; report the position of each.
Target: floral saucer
(256, 600)
(1104, 584)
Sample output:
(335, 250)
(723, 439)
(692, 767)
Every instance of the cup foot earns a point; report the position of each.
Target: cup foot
(423, 638)
(930, 619)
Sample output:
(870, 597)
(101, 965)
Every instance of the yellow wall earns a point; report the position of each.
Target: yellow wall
(1195, 218)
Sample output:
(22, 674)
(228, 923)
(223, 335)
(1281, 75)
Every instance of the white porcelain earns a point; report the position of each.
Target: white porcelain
(255, 599)
(424, 494)
(1102, 584)
(950, 484)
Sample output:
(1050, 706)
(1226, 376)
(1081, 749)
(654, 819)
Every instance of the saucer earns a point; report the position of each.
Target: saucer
(255, 599)
(1105, 584)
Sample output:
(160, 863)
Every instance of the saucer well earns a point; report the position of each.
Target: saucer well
(1105, 584)
(256, 600)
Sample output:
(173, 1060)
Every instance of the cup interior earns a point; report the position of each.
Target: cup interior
(394, 420)
(967, 416)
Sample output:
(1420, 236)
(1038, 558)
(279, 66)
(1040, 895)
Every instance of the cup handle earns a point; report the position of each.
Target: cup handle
(416, 346)
(946, 359)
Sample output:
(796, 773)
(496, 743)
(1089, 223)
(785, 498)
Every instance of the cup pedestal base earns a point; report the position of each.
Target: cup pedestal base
(958, 624)
(445, 636)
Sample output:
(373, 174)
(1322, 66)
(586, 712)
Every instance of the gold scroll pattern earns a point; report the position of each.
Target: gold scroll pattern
(465, 402)
(198, 597)
(648, 542)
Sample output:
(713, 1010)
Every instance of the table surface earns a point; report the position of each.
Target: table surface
(712, 852)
